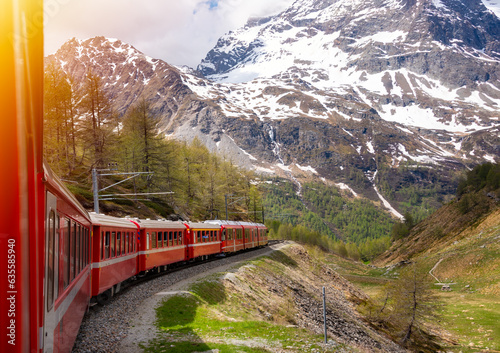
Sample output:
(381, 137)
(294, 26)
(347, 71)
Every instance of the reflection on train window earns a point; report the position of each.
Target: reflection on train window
(118, 243)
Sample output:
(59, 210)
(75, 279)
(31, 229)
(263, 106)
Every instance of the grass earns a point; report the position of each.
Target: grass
(189, 322)
(475, 320)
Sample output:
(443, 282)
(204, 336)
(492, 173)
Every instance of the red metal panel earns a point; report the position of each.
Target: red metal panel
(112, 271)
(164, 256)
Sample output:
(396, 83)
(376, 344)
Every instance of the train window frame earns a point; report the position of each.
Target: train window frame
(181, 237)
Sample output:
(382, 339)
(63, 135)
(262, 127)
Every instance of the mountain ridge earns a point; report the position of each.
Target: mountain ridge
(334, 121)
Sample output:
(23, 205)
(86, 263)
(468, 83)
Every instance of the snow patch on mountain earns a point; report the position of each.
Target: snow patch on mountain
(493, 6)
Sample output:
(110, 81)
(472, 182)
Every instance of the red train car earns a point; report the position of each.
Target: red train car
(114, 254)
(231, 235)
(161, 243)
(204, 240)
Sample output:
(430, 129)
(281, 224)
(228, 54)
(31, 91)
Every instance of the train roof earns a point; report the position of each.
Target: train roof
(105, 220)
(234, 223)
(160, 224)
(202, 225)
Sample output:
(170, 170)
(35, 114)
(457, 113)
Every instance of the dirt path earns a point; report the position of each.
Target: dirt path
(143, 327)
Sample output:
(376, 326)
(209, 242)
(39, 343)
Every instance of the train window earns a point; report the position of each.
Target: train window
(160, 239)
(78, 250)
(181, 238)
(65, 239)
(51, 244)
(112, 246)
(106, 245)
(223, 235)
(73, 251)
(165, 238)
(82, 259)
(85, 247)
(175, 238)
(118, 243)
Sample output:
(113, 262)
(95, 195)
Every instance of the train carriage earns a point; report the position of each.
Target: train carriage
(114, 255)
(231, 235)
(250, 231)
(204, 240)
(161, 243)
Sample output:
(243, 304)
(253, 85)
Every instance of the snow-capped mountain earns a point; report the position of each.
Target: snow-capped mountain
(429, 64)
(370, 95)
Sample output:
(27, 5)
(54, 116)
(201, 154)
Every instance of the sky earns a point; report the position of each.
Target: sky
(180, 32)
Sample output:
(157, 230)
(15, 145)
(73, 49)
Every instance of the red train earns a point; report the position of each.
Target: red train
(55, 256)
(125, 248)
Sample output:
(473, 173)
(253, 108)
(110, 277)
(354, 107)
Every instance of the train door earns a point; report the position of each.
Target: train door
(51, 284)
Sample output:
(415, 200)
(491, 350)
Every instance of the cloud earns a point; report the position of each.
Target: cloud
(179, 32)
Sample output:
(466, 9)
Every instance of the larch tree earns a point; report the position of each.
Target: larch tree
(99, 121)
(410, 302)
(141, 141)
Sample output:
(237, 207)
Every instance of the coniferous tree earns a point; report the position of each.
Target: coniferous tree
(99, 119)
(410, 302)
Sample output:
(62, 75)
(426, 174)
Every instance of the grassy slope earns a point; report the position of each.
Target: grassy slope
(467, 247)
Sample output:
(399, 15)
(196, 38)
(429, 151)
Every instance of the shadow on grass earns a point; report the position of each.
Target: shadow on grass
(181, 322)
